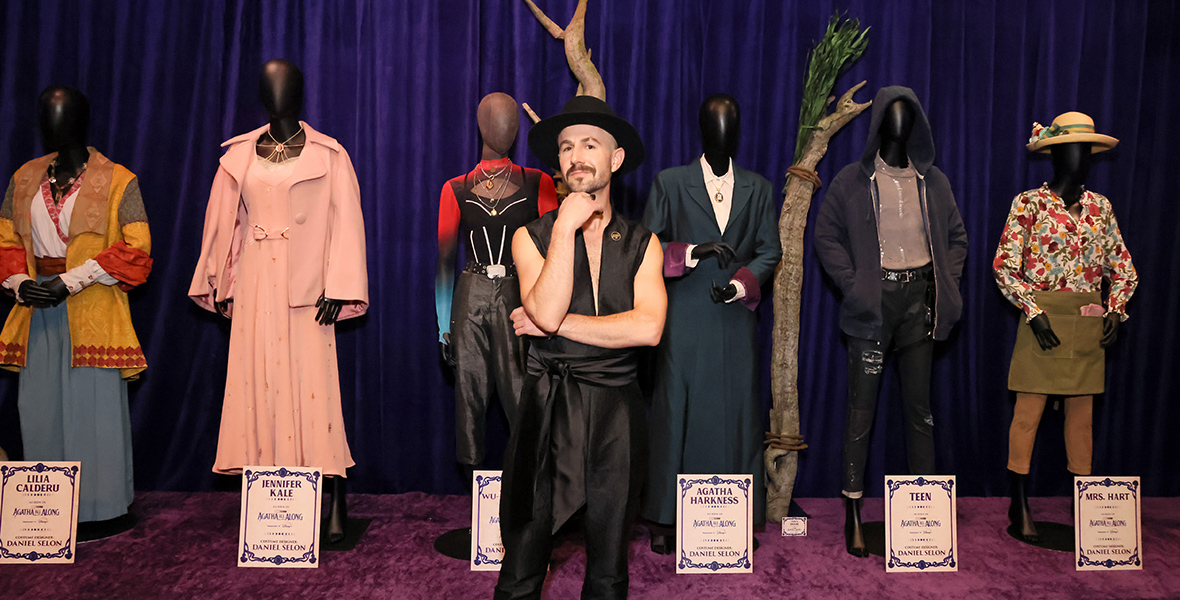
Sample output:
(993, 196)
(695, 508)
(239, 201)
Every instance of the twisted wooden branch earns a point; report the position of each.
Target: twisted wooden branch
(574, 36)
(784, 439)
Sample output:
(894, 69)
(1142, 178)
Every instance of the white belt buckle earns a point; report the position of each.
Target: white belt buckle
(497, 271)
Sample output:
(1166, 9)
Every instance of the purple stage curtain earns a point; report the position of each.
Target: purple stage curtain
(397, 83)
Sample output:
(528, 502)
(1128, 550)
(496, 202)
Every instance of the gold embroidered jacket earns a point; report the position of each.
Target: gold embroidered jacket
(108, 224)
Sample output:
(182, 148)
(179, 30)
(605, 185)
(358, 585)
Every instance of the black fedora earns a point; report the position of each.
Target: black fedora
(586, 110)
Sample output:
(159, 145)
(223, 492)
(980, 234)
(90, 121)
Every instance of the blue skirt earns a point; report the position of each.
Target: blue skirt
(76, 414)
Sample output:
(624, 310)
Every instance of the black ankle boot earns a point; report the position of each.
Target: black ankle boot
(854, 539)
(1018, 512)
(1073, 497)
(338, 513)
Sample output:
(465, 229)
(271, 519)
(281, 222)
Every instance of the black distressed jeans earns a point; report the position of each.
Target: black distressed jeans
(906, 327)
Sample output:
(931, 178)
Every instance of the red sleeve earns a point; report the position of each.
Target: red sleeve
(448, 217)
(13, 260)
(129, 265)
(546, 195)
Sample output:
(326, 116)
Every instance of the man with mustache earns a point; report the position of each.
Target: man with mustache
(592, 289)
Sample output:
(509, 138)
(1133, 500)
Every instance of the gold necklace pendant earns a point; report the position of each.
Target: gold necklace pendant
(494, 212)
(489, 183)
(718, 197)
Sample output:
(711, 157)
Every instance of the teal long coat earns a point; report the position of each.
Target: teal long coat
(706, 412)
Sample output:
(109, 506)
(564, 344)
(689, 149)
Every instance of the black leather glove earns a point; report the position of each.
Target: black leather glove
(222, 306)
(329, 310)
(721, 250)
(1045, 336)
(447, 350)
(57, 291)
(1110, 329)
(32, 294)
(721, 294)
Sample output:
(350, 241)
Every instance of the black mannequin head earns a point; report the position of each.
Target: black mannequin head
(896, 123)
(64, 116)
(721, 127)
(280, 88)
(499, 120)
(1071, 167)
(1071, 162)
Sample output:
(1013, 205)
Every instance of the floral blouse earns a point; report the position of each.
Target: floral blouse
(1044, 248)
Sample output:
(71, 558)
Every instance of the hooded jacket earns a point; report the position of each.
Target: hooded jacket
(846, 238)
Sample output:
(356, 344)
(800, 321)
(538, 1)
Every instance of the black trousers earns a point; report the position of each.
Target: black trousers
(613, 466)
(907, 326)
(489, 357)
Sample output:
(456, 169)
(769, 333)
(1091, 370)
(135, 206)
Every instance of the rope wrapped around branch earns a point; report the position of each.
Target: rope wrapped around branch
(806, 175)
(784, 441)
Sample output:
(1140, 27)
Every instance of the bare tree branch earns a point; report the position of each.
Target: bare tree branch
(546, 22)
(576, 54)
(784, 439)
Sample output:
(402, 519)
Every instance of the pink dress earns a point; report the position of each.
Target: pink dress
(282, 388)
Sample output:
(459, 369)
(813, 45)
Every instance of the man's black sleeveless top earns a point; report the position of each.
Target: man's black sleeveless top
(623, 245)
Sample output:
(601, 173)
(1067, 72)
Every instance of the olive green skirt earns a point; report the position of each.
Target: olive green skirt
(1075, 368)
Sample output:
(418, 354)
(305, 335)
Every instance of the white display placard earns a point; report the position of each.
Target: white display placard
(1107, 524)
(487, 552)
(794, 526)
(714, 522)
(280, 524)
(38, 511)
(921, 528)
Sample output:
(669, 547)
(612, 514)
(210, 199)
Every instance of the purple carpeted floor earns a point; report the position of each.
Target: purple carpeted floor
(184, 547)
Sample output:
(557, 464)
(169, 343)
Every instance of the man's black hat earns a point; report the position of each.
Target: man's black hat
(586, 110)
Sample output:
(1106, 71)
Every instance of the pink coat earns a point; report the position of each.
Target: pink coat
(327, 231)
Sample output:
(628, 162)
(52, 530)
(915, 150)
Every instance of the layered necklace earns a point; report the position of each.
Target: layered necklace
(492, 207)
(490, 179)
(59, 189)
(279, 153)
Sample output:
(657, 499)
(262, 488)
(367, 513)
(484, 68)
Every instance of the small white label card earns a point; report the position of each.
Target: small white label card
(38, 511)
(921, 529)
(280, 517)
(794, 526)
(486, 549)
(1107, 524)
(714, 522)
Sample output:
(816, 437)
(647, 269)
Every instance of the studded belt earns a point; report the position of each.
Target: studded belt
(491, 271)
(907, 275)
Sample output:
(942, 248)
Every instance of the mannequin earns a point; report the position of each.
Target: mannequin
(72, 392)
(717, 224)
(1071, 168)
(721, 129)
(1028, 274)
(64, 117)
(484, 207)
(899, 276)
(303, 218)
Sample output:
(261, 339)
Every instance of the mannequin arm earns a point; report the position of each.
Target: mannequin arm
(444, 269)
(1008, 265)
(129, 259)
(546, 195)
(1118, 268)
(13, 259)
